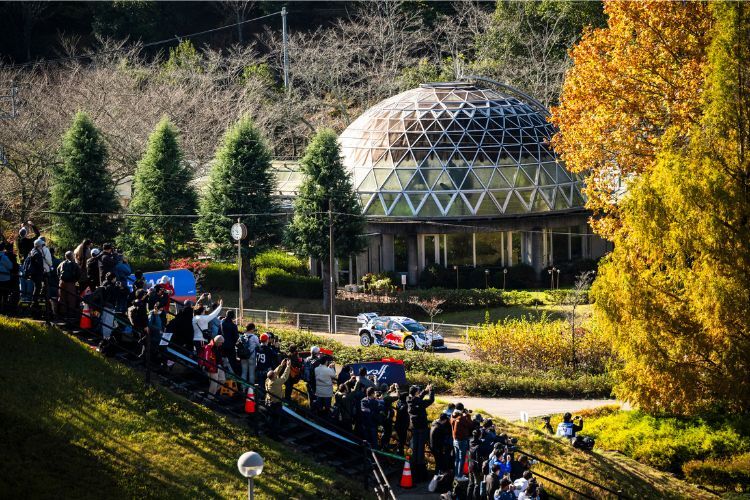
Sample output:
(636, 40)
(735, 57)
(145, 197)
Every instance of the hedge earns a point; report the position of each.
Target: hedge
(286, 284)
(518, 276)
(465, 377)
(281, 260)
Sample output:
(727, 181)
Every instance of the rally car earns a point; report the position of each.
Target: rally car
(397, 331)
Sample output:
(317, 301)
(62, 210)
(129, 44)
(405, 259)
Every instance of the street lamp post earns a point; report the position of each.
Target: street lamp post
(486, 278)
(505, 273)
(455, 268)
(250, 464)
(558, 279)
(552, 278)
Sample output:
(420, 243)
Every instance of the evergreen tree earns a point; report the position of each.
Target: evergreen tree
(240, 183)
(162, 186)
(674, 292)
(325, 179)
(81, 183)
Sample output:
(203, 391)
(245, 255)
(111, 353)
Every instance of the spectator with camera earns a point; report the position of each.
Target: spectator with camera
(418, 401)
(569, 426)
(325, 375)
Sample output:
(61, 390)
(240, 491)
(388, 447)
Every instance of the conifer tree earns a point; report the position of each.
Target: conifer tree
(240, 183)
(325, 179)
(162, 187)
(81, 183)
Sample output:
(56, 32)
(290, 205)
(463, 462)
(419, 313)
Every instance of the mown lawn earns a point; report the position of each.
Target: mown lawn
(76, 425)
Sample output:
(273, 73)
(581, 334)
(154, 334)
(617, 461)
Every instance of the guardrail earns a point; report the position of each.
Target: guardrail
(321, 323)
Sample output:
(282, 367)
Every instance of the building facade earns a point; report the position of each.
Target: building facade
(459, 174)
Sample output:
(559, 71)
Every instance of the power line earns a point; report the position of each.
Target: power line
(146, 45)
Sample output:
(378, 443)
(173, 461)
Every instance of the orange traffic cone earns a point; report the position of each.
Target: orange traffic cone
(250, 401)
(406, 475)
(466, 465)
(86, 323)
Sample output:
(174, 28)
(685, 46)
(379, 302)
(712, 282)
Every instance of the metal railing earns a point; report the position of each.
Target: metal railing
(347, 325)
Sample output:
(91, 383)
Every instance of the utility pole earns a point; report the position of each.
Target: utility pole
(239, 269)
(284, 38)
(332, 290)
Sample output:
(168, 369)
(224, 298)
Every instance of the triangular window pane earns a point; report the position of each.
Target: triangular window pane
(431, 175)
(405, 175)
(578, 200)
(376, 207)
(401, 208)
(522, 180)
(540, 204)
(417, 183)
(381, 175)
(364, 199)
(444, 200)
(546, 175)
(515, 205)
(487, 206)
(458, 175)
(369, 183)
(562, 174)
(561, 203)
(527, 195)
(484, 175)
(501, 196)
(549, 195)
(472, 199)
(416, 200)
(389, 200)
(459, 208)
(407, 161)
(531, 172)
(444, 182)
(471, 182)
(504, 178)
(391, 184)
(430, 209)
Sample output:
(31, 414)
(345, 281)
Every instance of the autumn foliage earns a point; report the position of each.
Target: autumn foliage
(674, 293)
(629, 83)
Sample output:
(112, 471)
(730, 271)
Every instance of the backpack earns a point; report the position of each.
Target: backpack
(67, 272)
(33, 264)
(308, 371)
(583, 443)
(241, 347)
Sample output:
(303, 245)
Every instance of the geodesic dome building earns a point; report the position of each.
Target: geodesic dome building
(456, 151)
(463, 174)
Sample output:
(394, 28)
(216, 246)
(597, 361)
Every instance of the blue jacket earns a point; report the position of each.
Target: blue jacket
(6, 266)
(122, 271)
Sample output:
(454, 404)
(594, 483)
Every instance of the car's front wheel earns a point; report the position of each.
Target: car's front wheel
(365, 340)
(410, 344)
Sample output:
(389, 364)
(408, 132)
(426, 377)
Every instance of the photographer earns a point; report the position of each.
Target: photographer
(569, 426)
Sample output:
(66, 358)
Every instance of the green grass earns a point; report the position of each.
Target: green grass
(610, 469)
(477, 316)
(671, 443)
(76, 425)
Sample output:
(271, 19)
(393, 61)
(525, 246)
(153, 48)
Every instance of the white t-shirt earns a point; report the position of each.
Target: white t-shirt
(200, 323)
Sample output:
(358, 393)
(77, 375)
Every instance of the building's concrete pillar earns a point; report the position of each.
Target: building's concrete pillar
(387, 252)
(412, 257)
(536, 255)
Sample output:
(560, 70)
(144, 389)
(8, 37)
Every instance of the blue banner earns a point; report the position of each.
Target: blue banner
(181, 280)
(386, 372)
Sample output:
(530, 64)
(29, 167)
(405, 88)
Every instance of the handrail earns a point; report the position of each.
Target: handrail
(573, 474)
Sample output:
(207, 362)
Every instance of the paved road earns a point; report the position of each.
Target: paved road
(511, 408)
(455, 350)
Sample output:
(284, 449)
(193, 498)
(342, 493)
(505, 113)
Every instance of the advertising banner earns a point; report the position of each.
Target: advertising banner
(182, 280)
(386, 372)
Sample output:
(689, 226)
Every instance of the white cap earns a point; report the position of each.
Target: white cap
(315, 349)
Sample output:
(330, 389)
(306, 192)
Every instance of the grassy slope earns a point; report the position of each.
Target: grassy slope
(76, 425)
(610, 469)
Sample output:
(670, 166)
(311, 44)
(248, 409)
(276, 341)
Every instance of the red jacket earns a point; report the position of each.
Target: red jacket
(461, 426)
(209, 359)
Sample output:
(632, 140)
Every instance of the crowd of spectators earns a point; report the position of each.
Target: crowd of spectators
(466, 450)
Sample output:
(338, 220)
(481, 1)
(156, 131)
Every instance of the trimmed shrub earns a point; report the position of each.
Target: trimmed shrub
(146, 265)
(464, 377)
(280, 260)
(221, 276)
(286, 284)
(730, 475)
(521, 276)
(539, 345)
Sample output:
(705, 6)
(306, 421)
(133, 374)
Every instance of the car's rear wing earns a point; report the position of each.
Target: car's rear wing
(365, 317)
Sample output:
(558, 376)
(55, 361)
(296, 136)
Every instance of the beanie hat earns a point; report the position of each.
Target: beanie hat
(264, 337)
(22, 232)
(39, 242)
(95, 252)
(218, 339)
